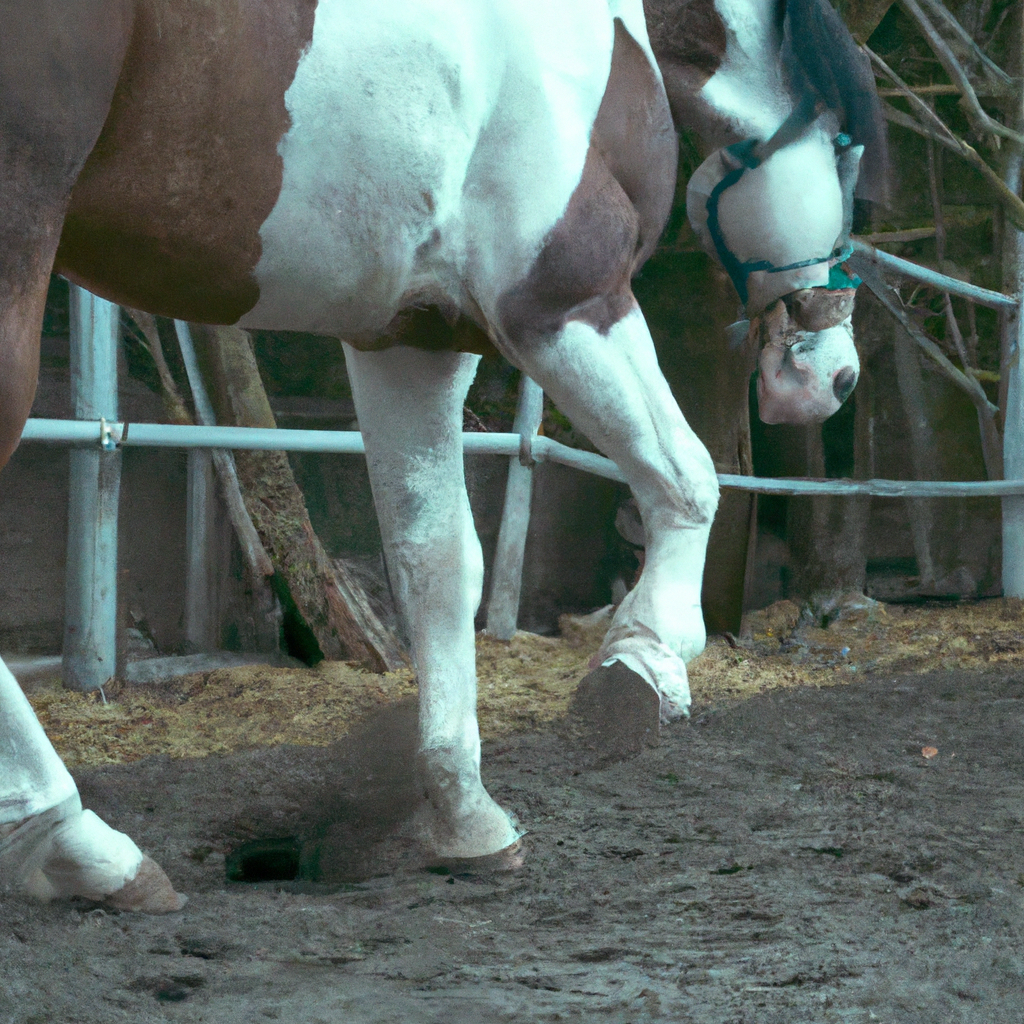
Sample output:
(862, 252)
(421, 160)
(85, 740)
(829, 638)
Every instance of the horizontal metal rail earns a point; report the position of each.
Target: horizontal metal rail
(953, 285)
(543, 449)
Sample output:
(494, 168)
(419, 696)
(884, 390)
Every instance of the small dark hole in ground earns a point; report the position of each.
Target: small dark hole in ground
(264, 860)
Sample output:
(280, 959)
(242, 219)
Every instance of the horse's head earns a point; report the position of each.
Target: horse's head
(777, 216)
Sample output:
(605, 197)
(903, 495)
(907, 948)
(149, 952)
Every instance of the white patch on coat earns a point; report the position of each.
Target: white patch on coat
(747, 96)
(32, 777)
(787, 210)
(796, 383)
(434, 143)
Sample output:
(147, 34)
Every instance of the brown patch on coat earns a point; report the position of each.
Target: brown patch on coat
(688, 39)
(817, 309)
(166, 213)
(614, 216)
(435, 330)
(59, 63)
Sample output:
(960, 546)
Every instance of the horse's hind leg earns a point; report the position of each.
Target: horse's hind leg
(409, 404)
(51, 111)
(49, 846)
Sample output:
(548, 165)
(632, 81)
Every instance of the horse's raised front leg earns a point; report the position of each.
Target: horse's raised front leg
(409, 404)
(609, 384)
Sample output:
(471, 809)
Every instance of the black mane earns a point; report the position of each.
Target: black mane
(824, 59)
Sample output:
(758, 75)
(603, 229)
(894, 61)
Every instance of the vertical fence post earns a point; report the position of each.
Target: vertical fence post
(1013, 459)
(90, 615)
(200, 526)
(200, 518)
(507, 576)
(1011, 350)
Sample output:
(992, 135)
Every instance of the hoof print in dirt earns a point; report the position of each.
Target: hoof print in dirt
(615, 713)
(170, 989)
(264, 860)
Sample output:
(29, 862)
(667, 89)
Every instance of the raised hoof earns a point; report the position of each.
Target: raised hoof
(511, 858)
(616, 713)
(149, 892)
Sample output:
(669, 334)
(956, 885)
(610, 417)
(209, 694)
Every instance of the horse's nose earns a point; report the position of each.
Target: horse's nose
(843, 383)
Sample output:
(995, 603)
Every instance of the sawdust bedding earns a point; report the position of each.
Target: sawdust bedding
(523, 684)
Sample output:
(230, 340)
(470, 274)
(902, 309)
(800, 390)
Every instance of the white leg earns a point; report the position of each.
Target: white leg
(49, 846)
(409, 404)
(612, 389)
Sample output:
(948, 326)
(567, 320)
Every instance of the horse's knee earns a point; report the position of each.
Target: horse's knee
(702, 487)
(685, 492)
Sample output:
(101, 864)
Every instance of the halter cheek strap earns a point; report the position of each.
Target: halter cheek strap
(746, 155)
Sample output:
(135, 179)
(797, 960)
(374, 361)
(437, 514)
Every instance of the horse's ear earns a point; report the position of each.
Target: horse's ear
(826, 60)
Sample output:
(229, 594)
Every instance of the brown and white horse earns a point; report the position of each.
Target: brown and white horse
(377, 171)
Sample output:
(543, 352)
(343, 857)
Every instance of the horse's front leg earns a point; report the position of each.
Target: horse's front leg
(609, 384)
(409, 404)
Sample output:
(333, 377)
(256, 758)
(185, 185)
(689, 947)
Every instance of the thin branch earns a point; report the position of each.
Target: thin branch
(1011, 202)
(904, 120)
(992, 70)
(998, 25)
(940, 89)
(954, 330)
(174, 404)
(889, 298)
(934, 187)
(980, 121)
(928, 116)
(972, 338)
(894, 237)
(991, 443)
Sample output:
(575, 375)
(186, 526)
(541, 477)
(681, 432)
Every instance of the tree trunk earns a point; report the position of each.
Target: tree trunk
(329, 601)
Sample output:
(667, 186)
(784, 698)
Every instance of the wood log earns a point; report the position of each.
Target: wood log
(327, 598)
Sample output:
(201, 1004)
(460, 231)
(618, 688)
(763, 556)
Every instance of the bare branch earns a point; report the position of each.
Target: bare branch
(991, 444)
(972, 338)
(895, 116)
(934, 187)
(938, 89)
(954, 330)
(895, 237)
(928, 116)
(174, 404)
(993, 71)
(1011, 202)
(980, 121)
(889, 298)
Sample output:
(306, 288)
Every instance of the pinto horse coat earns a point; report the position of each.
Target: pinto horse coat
(382, 172)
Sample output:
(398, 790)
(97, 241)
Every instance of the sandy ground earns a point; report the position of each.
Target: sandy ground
(835, 835)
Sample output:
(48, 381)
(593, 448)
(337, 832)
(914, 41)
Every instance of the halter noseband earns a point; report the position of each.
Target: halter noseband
(750, 154)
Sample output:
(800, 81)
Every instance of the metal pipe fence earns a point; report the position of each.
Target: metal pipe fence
(94, 433)
(91, 586)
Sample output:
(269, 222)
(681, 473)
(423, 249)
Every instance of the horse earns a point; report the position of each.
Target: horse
(428, 180)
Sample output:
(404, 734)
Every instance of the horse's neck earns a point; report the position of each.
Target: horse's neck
(747, 94)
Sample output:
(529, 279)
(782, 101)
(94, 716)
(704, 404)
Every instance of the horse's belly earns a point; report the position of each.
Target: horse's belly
(287, 166)
(374, 163)
(427, 162)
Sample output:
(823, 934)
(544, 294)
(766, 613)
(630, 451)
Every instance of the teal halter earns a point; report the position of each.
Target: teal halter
(745, 153)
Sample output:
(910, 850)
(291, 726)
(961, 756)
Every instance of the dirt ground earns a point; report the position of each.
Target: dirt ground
(835, 835)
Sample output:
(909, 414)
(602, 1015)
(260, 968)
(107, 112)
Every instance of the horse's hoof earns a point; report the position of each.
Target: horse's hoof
(149, 892)
(617, 712)
(511, 858)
